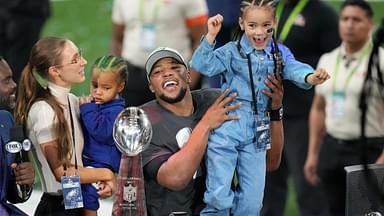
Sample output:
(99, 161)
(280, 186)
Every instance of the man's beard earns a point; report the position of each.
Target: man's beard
(178, 98)
(6, 103)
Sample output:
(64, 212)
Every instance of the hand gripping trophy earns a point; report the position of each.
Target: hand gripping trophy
(132, 133)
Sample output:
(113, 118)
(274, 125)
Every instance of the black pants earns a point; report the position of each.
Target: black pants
(52, 205)
(310, 200)
(335, 154)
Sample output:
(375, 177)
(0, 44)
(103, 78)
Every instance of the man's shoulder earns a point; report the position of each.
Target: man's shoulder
(4, 114)
(206, 93)
(6, 118)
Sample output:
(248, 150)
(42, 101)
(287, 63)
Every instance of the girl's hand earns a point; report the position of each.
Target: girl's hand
(214, 25)
(85, 99)
(319, 76)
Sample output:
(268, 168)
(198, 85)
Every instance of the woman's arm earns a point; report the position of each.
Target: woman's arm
(87, 175)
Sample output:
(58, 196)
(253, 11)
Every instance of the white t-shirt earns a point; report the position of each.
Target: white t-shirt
(40, 123)
(346, 124)
(171, 25)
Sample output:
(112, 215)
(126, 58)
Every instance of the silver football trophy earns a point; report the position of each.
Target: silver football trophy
(132, 133)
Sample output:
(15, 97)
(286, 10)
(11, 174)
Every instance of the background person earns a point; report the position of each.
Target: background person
(335, 115)
(21, 22)
(139, 26)
(312, 32)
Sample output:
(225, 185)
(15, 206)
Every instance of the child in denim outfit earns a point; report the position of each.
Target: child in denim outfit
(244, 66)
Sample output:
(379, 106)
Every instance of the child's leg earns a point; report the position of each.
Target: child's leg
(221, 161)
(87, 212)
(90, 199)
(251, 170)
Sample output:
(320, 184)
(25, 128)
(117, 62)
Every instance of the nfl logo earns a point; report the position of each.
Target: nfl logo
(129, 194)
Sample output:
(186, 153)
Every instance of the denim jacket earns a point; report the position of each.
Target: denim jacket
(233, 67)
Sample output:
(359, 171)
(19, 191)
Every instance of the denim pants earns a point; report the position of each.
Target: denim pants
(231, 147)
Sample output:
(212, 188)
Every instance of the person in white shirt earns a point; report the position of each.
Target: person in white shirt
(334, 119)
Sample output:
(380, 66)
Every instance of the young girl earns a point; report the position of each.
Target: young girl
(50, 115)
(98, 116)
(242, 145)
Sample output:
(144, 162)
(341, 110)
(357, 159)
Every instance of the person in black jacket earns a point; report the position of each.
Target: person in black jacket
(21, 22)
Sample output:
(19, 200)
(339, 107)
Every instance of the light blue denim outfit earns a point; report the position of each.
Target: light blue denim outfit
(237, 144)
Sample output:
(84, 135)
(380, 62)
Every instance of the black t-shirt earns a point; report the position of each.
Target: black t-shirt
(170, 132)
(317, 33)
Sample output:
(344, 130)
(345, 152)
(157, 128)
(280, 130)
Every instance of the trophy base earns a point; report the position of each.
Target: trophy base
(130, 194)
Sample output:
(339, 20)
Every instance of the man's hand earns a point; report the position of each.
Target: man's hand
(218, 112)
(310, 170)
(24, 173)
(277, 91)
(214, 25)
(318, 77)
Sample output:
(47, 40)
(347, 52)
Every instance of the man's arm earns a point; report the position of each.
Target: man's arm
(117, 39)
(178, 170)
(316, 134)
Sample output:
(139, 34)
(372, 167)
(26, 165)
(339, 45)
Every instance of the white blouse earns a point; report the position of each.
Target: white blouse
(40, 126)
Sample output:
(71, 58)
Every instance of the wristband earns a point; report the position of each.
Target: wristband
(276, 115)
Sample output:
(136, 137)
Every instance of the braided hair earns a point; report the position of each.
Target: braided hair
(244, 6)
(110, 63)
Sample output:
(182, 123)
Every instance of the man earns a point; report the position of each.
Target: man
(335, 114)
(312, 32)
(12, 174)
(139, 26)
(182, 121)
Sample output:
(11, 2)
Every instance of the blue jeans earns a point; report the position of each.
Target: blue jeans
(231, 146)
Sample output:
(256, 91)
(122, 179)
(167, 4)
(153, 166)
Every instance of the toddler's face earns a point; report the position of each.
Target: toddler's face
(257, 23)
(105, 86)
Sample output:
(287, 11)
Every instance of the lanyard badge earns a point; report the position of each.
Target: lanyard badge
(263, 132)
(337, 104)
(148, 36)
(72, 192)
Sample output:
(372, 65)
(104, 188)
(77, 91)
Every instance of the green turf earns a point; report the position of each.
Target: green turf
(88, 24)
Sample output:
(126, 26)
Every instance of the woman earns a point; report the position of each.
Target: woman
(50, 116)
